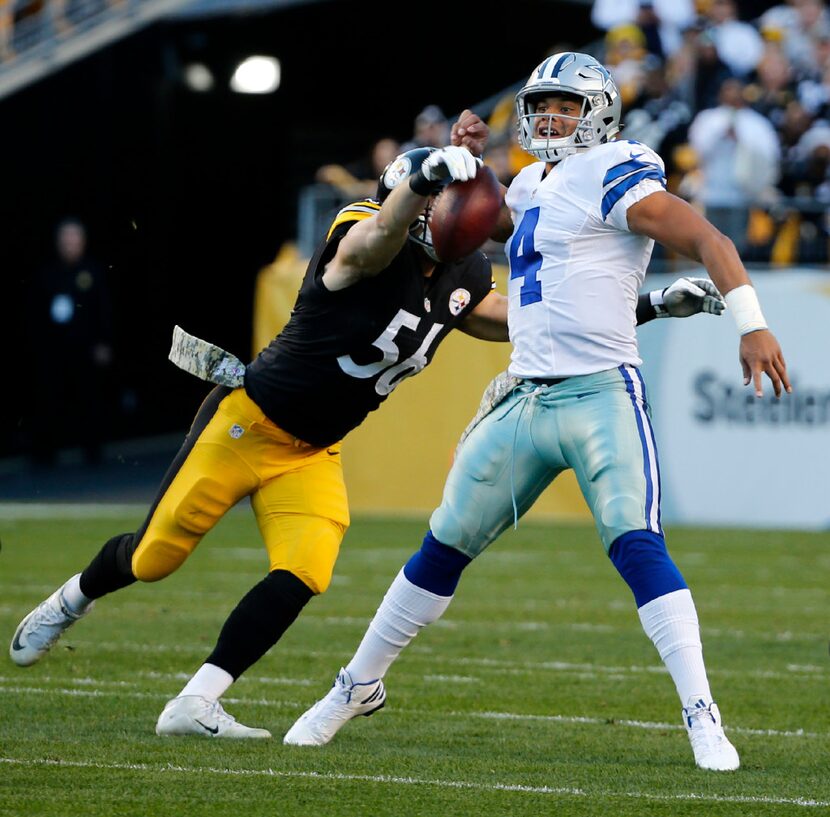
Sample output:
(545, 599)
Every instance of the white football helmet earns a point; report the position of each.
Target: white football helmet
(569, 73)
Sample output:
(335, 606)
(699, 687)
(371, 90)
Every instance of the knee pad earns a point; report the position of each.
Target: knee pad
(156, 558)
(436, 567)
(642, 560)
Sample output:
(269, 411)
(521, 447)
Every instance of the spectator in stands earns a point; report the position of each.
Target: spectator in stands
(70, 316)
(662, 21)
(773, 87)
(6, 29)
(696, 71)
(800, 25)
(625, 53)
(805, 232)
(659, 116)
(814, 87)
(431, 127)
(808, 170)
(739, 159)
(360, 178)
(795, 122)
(738, 43)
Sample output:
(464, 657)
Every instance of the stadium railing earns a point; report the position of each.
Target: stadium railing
(786, 231)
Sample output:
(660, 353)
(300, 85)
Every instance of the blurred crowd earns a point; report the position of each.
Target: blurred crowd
(734, 96)
(738, 105)
(25, 23)
(736, 100)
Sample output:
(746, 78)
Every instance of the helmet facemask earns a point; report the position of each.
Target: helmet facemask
(420, 233)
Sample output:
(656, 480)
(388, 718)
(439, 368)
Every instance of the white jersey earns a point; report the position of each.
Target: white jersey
(575, 268)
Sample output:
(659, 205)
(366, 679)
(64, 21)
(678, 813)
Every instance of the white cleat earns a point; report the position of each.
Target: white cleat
(195, 715)
(345, 700)
(38, 632)
(712, 748)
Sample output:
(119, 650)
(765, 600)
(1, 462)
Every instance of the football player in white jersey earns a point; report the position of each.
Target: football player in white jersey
(580, 225)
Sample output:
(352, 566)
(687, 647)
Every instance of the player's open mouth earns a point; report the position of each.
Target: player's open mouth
(549, 133)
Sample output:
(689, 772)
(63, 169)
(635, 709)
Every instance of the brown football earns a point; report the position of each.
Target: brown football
(465, 214)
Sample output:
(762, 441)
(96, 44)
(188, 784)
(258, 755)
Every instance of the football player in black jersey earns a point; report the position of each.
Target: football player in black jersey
(373, 307)
(371, 311)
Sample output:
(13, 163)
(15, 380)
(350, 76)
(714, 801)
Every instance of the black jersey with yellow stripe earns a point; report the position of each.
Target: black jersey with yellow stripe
(342, 353)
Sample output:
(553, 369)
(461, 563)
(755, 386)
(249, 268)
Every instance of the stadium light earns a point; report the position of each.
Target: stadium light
(256, 75)
(198, 77)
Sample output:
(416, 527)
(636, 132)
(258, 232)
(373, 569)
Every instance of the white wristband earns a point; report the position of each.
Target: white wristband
(745, 308)
(656, 300)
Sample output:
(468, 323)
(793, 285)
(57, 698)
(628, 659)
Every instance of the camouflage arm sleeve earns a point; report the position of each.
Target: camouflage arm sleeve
(206, 360)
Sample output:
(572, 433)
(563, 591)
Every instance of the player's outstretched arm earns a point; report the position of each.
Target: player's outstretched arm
(678, 226)
(369, 246)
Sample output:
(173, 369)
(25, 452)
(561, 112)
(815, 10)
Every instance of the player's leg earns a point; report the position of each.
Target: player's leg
(205, 479)
(614, 455)
(496, 477)
(303, 516)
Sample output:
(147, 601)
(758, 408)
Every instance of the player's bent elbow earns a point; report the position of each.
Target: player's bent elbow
(715, 246)
(719, 239)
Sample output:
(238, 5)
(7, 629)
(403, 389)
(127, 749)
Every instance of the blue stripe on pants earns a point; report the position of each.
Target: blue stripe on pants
(643, 422)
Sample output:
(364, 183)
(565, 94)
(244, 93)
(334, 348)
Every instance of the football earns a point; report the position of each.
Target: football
(465, 214)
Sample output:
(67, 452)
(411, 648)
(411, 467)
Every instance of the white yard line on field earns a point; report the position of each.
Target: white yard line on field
(121, 693)
(795, 672)
(70, 510)
(119, 689)
(561, 791)
(275, 680)
(740, 730)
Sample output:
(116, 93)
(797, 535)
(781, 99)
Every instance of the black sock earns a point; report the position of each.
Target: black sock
(111, 569)
(258, 621)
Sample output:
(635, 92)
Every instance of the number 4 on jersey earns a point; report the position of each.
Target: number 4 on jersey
(525, 261)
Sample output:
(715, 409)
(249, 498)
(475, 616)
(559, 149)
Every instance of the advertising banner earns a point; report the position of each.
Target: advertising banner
(727, 457)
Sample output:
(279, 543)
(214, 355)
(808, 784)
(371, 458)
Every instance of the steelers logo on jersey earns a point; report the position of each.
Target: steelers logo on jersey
(458, 300)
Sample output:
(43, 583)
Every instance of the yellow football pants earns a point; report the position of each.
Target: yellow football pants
(232, 451)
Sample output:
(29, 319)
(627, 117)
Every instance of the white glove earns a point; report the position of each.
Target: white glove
(454, 163)
(688, 296)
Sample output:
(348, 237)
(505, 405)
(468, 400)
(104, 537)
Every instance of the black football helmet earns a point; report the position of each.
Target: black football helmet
(398, 170)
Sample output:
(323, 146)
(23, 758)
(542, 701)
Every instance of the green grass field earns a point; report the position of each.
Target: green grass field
(536, 694)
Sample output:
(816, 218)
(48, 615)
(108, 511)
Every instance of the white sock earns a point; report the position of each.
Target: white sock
(671, 622)
(404, 611)
(210, 682)
(72, 595)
